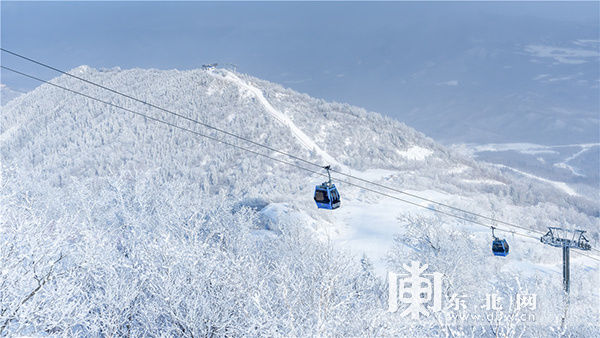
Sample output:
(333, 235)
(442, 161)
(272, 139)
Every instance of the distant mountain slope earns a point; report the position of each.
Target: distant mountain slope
(574, 164)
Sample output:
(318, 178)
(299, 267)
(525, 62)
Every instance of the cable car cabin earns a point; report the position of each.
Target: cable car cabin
(327, 196)
(500, 247)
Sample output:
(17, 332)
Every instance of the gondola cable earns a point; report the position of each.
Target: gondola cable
(268, 147)
(267, 156)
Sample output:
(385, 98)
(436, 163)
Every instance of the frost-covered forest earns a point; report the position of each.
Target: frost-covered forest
(113, 225)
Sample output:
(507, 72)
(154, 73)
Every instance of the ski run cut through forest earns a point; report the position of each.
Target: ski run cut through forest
(124, 217)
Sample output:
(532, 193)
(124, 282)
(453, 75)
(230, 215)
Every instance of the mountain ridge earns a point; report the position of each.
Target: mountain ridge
(386, 134)
(132, 190)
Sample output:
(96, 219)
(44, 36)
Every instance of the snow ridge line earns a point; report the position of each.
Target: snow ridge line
(304, 139)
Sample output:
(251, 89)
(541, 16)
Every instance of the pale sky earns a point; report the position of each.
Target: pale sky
(417, 62)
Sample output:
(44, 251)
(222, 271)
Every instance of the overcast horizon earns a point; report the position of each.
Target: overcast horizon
(430, 65)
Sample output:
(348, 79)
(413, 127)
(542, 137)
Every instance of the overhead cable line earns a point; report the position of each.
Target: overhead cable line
(267, 156)
(269, 147)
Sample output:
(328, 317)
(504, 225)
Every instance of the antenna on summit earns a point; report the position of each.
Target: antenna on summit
(209, 66)
(228, 66)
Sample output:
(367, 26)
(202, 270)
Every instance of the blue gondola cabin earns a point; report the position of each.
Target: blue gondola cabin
(327, 196)
(500, 247)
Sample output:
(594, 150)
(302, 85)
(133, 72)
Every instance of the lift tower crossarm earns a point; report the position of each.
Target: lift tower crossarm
(566, 239)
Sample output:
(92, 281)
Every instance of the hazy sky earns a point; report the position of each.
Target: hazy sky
(418, 62)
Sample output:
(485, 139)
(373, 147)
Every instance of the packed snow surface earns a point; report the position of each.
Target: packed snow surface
(415, 153)
(304, 139)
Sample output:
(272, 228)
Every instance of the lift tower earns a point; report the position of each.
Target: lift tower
(566, 239)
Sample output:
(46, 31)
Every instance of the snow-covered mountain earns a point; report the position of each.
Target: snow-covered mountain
(121, 225)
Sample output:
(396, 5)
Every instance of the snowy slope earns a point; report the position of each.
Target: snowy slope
(304, 139)
(94, 168)
(573, 166)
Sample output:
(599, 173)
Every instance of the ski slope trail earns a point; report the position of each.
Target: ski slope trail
(369, 228)
(558, 185)
(304, 139)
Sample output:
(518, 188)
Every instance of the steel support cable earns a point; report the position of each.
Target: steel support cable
(267, 156)
(261, 145)
(160, 108)
(268, 147)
